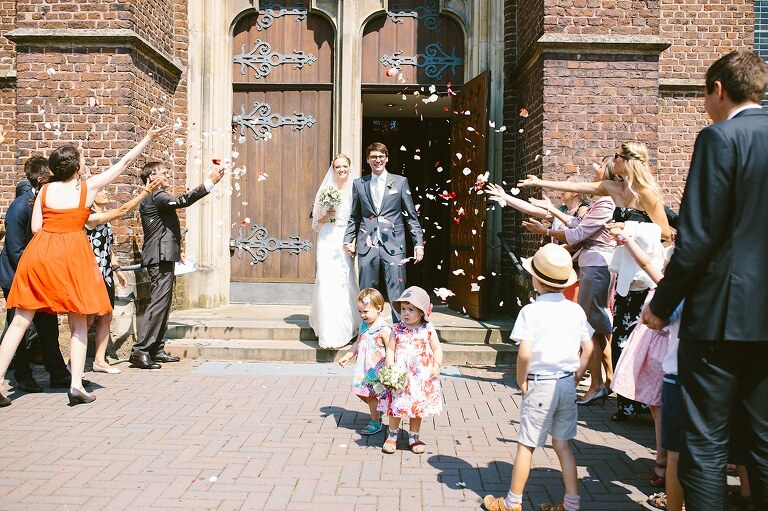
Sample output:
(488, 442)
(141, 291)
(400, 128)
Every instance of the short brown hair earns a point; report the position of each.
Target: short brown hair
(373, 295)
(743, 75)
(376, 146)
(36, 167)
(148, 169)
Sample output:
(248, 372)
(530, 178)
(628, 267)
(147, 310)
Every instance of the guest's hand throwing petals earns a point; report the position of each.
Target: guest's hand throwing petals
(531, 180)
(216, 175)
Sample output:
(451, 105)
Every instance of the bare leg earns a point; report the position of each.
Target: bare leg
(521, 469)
(372, 403)
(674, 489)
(607, 361)
(595, 367)
(13, 336)
(414, 424)
(102, 338)
(77, 349)
(567, 465)
(661, 453)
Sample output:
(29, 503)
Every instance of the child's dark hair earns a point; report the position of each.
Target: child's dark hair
(64, 162)
(373, 295)
(148, 169)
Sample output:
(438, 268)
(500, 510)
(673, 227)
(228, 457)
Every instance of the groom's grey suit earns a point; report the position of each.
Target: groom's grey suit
(380, 233)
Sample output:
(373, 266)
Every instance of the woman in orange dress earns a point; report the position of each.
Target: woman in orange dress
(57, 272)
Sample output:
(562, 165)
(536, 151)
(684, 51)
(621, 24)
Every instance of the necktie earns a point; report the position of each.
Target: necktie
(378, 192)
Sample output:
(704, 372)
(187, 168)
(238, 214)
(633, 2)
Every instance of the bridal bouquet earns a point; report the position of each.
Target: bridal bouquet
(330, 198)
(392, 377)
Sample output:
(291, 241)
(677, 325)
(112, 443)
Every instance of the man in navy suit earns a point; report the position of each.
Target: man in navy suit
(720, 268)
(382, 206)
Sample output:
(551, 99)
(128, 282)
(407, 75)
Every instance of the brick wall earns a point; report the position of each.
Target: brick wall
(625, 17)
(90, 14)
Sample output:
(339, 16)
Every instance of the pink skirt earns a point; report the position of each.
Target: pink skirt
(638, 374)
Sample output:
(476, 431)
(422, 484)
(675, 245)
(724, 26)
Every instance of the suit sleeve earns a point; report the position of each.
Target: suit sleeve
(353, 224)
(704, 219)
(16, 234)
(164, 200)
(409, 210)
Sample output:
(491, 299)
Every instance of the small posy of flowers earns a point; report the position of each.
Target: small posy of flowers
(330, 198)
(392, 377)
(390, 185)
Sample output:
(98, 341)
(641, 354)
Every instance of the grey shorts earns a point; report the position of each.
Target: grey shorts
(594, 287)
(548, 408)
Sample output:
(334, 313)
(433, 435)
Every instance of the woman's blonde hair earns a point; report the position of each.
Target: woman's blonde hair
(585, 198)
(372, 296)
(341, 155)
(638, 175)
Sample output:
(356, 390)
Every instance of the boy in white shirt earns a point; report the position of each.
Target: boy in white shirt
(550, 332)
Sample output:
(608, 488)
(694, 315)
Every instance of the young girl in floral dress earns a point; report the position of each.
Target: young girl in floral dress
(415, 349)
(369, 350)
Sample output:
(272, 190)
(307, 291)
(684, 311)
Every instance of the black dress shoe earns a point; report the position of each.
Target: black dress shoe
(66, 382)
(28, 385)
(162, 356)
(4, 401)
(142, 361)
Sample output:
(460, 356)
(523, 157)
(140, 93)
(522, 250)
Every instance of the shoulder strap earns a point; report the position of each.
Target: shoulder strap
(83, 193)
(42, 194)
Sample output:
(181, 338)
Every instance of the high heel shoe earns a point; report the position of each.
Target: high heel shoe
(5, 401)
(76, 397)
(600, 394)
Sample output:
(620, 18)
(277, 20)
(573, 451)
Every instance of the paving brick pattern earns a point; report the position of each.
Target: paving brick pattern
(189, 437)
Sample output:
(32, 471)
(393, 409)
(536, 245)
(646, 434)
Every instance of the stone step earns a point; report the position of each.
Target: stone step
(309, 351)
(256, 329)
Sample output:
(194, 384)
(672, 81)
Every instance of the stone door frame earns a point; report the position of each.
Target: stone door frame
(211, 23)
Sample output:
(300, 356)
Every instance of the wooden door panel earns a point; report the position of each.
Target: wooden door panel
(467, 251)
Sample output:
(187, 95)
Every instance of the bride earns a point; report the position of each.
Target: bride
(333, 315)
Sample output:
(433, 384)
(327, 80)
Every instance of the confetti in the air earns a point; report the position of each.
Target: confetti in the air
(523, 112)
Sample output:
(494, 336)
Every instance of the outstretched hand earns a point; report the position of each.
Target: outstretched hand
(544, 203)
(156, 131)
(153, 184)
(216, 174)
(534, 226)
(531, 180)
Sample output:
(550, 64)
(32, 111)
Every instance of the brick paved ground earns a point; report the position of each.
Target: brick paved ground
(199, 436)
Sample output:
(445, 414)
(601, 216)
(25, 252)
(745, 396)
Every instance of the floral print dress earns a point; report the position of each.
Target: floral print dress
(370, 359)
(101, 243)
(422, 396)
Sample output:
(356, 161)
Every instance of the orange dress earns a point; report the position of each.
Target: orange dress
(57, 272)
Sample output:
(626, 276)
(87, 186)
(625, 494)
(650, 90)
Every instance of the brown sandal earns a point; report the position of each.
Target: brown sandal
(390, 446)
(497, 504)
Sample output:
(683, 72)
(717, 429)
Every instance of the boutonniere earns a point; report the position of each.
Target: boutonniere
(390, 184)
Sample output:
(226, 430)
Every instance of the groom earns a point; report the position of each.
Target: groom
(381, 206)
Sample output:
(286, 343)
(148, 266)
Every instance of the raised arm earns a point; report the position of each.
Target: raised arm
(99, 181)
(113, 214)
(37, 215)
(590, 187)
(551, 210)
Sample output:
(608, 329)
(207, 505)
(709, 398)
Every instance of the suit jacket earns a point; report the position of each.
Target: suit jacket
(719, 264)
(388, 223)
(18, 233)
(162, 232)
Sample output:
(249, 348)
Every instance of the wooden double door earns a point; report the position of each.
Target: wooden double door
(282, 75)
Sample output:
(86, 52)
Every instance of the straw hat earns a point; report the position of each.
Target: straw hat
(416, 297)
(552, 265)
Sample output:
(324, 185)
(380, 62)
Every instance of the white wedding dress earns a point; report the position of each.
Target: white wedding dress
(333, 315)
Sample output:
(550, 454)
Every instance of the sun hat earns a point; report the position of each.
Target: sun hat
(552, 265)
(416, 297)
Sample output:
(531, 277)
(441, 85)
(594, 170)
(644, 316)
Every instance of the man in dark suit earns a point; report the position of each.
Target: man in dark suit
(381, 206)
(161, 251)
(18, 234)
(719, 268)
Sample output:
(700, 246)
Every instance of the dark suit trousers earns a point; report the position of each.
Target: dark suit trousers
(155, 323)
(376, 262)
(47, 327)
(717, 379)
